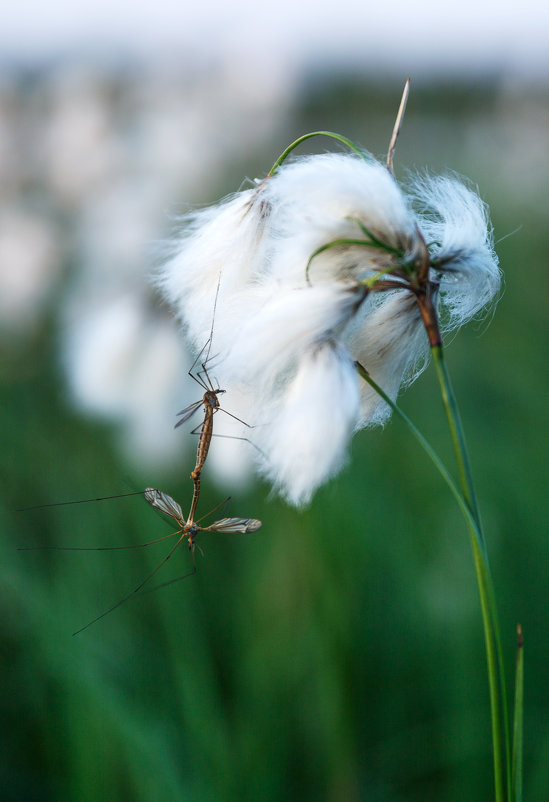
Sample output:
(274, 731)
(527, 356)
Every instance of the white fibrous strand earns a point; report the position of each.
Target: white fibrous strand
(322, 264)
(392, 344)
(319, 199)
(272, 339)
(226, 240)
(454, 221)
(307, 425)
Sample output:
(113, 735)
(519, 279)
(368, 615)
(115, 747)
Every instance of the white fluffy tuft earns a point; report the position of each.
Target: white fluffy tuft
(317, 200)
(223, 246)
(454, 217)
(273, 339)
(310, 424)
(391, 344)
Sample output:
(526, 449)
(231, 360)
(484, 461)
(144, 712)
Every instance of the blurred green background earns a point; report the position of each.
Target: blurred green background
(336, 654)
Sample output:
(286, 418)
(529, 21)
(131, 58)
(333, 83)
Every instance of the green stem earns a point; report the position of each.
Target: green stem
(496, 676)
(494, 652)
(424, 443)
(518, 719)
(340, 138)
(465, 499)
(457, 435)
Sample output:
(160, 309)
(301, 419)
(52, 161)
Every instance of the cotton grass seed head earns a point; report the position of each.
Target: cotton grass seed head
(326, 262)
(227, 240)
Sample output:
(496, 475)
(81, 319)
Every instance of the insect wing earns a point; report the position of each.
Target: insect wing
(166, 504)
(188, 412)
(237, 525)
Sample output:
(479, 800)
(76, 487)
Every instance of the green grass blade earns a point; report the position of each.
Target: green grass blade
(339, 137)
(494, 654)
(518, 718)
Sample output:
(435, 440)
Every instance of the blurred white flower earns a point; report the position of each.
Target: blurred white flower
(29, 267)
(326, 262)
(121, 369)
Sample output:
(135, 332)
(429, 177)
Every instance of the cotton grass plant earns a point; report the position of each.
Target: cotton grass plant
(333, 286)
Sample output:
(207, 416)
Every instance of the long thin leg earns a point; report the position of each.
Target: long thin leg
(169, 582)
(249, 425)
(213, 317)
(95, 548)
(198, 429)
(138, 588)
(78, 501)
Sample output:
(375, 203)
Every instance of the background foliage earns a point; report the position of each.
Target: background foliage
(336, 654)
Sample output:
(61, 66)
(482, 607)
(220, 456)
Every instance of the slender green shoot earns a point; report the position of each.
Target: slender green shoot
(518, 720)
(375, 241)
(345, 242)
(494, 655)
(457, 434)
(424, 443)
(496, 669)
(340, 138)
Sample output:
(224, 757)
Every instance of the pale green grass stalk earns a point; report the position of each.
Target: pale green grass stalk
(466, 499)
(494, 653)
(331, 135)
(518, 720)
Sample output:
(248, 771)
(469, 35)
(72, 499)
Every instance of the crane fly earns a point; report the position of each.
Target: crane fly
(189, 529)
(210, 402)
(169, 506)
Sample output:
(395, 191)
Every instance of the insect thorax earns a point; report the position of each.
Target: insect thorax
(212, 399)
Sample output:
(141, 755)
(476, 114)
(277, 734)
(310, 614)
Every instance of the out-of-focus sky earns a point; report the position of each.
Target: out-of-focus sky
(469, 35)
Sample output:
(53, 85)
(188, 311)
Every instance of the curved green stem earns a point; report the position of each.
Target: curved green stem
(494, 652)
(467, 503)
(340, 138)
(457, 435)
(375, 241)
(424, 443)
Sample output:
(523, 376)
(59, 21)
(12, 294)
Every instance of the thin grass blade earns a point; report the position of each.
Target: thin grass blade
(518, 717)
